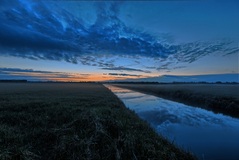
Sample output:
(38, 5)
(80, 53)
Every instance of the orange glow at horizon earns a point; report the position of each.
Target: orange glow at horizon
(93, 78)
(73, 77)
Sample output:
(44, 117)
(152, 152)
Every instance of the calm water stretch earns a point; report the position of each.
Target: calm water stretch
(208, 135)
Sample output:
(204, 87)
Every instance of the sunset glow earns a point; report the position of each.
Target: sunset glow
(114, 40)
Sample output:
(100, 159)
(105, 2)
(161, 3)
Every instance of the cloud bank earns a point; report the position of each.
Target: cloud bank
(30, 74)
(41, 30)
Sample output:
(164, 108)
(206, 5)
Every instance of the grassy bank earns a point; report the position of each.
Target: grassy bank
(220, 98)
(74, 121)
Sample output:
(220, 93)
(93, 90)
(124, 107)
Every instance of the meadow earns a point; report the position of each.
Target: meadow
(220, 98)
(74, 121)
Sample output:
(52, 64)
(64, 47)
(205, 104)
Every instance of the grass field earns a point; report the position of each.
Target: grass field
(220, 98)
(74, 121)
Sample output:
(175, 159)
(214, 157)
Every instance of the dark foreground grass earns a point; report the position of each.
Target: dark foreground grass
(220, 98)
(74, 121)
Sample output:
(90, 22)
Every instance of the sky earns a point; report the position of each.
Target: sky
(115, 40)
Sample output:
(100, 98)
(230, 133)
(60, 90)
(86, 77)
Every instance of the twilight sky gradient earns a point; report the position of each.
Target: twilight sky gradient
(108, 40)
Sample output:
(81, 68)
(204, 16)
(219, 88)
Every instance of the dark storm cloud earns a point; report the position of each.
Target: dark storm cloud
(38, 30)
(126, 69)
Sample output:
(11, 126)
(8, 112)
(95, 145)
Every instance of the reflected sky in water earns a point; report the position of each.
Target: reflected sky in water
(208, 135)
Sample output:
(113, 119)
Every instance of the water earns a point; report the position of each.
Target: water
(208, 135)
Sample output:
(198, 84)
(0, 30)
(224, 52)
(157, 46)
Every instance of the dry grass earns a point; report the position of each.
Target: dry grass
(74, 121)
(222, 98)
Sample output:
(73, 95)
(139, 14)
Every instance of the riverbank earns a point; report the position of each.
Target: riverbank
(70, 121)
(206, 134)
(220, 98)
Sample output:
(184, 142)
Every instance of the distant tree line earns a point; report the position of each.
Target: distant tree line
(203, 82)
(142, 82)
(115, 82)
(130, 82)
(14, 81)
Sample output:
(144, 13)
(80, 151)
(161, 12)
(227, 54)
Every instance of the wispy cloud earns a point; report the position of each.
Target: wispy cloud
(37, 75)
(11, 73)
(124, 74)
(126, 69)
(38, 31)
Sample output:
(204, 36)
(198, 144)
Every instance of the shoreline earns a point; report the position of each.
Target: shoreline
(182, 93)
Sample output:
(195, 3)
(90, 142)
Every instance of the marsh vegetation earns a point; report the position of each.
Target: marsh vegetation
(220, 98)
(74, 121)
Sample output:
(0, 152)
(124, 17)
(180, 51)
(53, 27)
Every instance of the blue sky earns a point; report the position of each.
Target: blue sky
(87, 40)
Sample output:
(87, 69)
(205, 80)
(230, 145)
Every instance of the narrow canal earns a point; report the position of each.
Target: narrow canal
(207, 135)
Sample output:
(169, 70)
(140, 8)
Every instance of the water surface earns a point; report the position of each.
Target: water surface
(208, 135)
